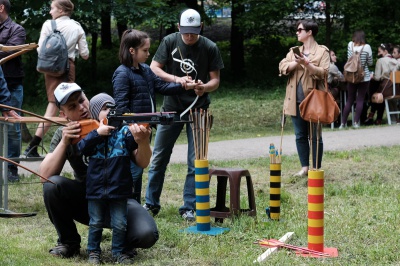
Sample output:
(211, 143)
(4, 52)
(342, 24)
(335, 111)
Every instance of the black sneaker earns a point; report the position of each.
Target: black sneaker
(94, 258)
(65, 250)
(151, 209)
(124, 259)
(31, 152)
(13, 175)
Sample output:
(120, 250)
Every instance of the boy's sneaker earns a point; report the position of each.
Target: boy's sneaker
(188, 215)
(94, 258)
(65, 250)
(151, 209)
(124, 259)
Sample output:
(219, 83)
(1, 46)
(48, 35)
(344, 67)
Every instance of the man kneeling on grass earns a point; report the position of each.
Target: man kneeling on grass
(66, 201)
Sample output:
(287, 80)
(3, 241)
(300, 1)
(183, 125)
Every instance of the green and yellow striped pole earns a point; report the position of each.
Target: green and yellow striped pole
(202, 180)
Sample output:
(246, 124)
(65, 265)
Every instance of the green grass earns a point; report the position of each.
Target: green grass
(362, 203)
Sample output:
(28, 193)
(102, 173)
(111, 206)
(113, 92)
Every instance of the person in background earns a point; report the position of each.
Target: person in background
(66, 201)
(335, 77)
(12, 34)
(357, 91)
(384, 66)
(5, 99)
(108, 181)
(396, 54)
(60, 11)
(182, 57)
(304, 70)
(135, 85)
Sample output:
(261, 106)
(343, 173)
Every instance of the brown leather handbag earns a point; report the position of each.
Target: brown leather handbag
(319, 106)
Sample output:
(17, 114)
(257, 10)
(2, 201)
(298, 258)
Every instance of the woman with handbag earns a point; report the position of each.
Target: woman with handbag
(380, 83)
(305, 69)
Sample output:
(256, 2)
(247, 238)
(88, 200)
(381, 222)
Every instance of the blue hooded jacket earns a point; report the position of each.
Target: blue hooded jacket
(109, 173)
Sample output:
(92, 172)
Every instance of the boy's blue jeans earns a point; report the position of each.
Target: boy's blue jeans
(97, 212)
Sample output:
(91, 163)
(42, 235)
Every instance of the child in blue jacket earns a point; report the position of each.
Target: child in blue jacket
(109, 180)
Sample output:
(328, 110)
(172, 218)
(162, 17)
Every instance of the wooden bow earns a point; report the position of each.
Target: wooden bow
(23, 49)
(30, 113)
(26, 168)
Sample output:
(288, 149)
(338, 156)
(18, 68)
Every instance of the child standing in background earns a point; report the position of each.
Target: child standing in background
(109, 182)
(135, 85)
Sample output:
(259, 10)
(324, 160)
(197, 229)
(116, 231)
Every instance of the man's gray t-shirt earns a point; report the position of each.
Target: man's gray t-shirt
(74, 157)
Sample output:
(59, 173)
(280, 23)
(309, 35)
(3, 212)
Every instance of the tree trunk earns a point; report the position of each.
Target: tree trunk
(93, 57)
(121, 28)
(328, 25)
(237, 42)
(106, 41)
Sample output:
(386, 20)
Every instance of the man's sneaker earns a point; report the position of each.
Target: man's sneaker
(124, 259)
(31, 152)
(94, 258)
(13, 175)
(151, 209)
(188, 215)
(65, 250)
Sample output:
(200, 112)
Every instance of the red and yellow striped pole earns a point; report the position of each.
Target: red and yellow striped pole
(202, 180)
(275, 191)
(316, 210)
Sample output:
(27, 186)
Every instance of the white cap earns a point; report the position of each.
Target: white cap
(63, 91)
(190, 22)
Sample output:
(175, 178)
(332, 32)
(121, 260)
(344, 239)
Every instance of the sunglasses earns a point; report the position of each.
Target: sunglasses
(300, 29)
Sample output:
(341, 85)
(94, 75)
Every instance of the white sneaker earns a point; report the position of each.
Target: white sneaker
(189, 215)
(356, 125)
(341, 126)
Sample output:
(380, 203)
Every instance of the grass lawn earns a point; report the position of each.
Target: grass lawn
(362, 204)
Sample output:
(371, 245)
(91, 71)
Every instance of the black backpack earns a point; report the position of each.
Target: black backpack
(53, 56)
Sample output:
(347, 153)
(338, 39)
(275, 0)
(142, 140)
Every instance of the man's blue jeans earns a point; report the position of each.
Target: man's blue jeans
(98, 212)
(14, 131)
(302, 132)
(165, 139)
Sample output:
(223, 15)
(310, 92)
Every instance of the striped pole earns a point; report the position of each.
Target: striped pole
(316, 210)
(202, 180)
(275, 191)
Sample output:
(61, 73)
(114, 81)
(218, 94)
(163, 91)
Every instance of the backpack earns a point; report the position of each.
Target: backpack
(353, 69)
(53, 56)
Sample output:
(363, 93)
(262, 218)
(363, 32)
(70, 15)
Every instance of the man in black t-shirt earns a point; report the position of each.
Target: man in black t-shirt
(184, 56)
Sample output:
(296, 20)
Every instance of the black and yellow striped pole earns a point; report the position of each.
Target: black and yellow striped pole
(275, 191)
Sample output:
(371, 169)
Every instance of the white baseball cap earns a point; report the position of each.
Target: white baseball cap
(63, 91)
(190, 22)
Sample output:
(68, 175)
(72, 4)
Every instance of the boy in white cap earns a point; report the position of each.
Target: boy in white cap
(186, 55)
(66, 202)
(108, 182)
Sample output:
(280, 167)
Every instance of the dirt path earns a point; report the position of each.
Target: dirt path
(334, 140)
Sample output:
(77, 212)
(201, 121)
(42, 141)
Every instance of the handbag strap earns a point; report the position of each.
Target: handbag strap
(384, 87)
(325, 83)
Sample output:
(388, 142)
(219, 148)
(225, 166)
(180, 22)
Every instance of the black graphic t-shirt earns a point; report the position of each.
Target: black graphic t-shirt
(198, 60)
